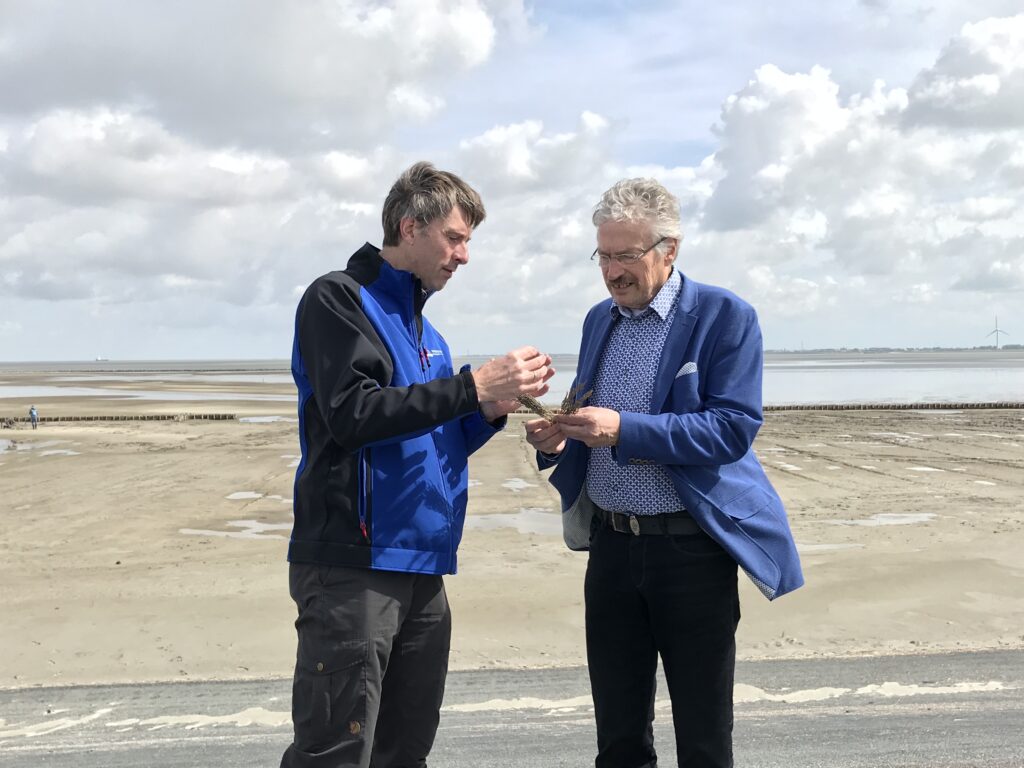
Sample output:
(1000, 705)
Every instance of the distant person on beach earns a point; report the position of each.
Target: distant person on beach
(386, 427)
(658, 480)
(33, 416)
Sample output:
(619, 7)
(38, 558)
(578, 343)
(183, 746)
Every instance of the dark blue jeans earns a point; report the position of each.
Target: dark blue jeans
(673, 596)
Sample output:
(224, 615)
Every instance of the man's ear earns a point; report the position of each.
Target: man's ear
(670, 257)
(407, 228)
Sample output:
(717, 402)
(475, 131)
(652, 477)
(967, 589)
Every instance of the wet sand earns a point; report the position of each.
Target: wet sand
(141, 551)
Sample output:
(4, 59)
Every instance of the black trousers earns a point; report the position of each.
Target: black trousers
(371, 667)
(670, 595)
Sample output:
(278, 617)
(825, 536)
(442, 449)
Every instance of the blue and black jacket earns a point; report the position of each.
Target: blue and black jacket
(385, 425)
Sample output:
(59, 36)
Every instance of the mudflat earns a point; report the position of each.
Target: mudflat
(143, 551)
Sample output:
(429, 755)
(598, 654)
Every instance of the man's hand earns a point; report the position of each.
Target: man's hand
(494, 410)
(545, 436)
(594, 427)
(523, 371)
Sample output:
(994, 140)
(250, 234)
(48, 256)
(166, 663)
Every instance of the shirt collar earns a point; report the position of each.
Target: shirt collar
(661, 304)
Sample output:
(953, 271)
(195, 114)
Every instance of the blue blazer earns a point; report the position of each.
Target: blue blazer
(705, 412)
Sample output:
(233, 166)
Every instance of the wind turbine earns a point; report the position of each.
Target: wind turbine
(997, 331)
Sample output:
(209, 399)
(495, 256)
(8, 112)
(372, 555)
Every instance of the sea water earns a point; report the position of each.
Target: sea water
(789, 378)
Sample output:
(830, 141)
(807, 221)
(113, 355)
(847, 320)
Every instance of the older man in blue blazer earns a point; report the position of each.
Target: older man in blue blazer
(659, 481)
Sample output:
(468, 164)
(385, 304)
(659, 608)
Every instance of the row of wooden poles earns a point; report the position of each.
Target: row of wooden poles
(767, 408)
(131, 417)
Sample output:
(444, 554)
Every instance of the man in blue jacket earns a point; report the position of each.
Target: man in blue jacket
(659, 481)
(386, 427)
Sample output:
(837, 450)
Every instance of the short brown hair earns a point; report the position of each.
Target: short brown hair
(426, 194)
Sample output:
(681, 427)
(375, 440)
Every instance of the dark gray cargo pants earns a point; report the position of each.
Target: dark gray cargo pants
(371, 666)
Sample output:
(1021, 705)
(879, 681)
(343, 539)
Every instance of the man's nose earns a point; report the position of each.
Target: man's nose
(613, 269)
(461, 253)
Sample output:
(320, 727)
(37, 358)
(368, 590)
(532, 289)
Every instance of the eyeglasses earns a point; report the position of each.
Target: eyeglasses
(623, 258)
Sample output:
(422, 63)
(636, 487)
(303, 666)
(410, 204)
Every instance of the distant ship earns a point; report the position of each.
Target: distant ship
(102, 359)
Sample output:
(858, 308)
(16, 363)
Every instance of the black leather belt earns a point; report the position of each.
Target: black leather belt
(672, 523)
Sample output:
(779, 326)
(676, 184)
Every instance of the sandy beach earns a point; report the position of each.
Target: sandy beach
(143, 551)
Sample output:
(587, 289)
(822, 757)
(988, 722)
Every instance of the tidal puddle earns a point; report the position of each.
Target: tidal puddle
(136, 394)
(14, 445)
(226, 378)
(251, 529)
(889, 518)
(808, 549)
(527, 520)
(517, 484)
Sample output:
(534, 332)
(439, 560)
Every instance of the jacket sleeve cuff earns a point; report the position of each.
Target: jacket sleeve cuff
(467, 380)
(623, 451)
(547, 460)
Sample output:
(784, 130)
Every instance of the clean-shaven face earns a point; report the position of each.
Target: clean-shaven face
(633, 285)
(439, 248)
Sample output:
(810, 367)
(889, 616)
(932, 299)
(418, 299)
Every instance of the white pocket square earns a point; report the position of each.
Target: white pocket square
(687, 369)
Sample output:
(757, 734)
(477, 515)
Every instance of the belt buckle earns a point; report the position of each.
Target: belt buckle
(634, 525)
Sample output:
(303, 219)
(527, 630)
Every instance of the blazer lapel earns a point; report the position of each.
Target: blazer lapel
(586, 371)
(676, 344)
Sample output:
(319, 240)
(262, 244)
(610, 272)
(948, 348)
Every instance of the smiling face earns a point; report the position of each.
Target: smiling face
(437, 249)
(634, 285)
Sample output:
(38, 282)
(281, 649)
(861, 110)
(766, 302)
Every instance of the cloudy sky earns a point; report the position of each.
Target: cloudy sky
(172, 175)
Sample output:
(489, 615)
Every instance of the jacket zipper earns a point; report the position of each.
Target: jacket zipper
(367, 506)
(417, 329)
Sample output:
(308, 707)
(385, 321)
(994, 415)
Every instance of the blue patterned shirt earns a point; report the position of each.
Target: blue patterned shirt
(625, 382)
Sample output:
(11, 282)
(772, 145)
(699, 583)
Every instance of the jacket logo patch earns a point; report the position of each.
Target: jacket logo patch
(687, 369)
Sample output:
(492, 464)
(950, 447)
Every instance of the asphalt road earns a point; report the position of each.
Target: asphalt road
(937, 711)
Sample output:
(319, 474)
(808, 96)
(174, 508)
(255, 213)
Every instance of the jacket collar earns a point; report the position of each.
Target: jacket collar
(370, 269)
(676, 344)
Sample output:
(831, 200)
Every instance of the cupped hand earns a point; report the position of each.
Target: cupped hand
(594, 427)
(523, 371)
(545, 436)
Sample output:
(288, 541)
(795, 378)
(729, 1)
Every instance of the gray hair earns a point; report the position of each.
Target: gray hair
(426, 194)
(641, 200)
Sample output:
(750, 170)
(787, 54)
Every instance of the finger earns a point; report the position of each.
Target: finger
(543, 439)
(539, 374)
(565, 420)
(542, 435)
(535, 424)
(524, 353)
(535, 363)
(573, 431)
(533, 379)
(549, 432)
(551, 446)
